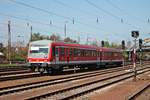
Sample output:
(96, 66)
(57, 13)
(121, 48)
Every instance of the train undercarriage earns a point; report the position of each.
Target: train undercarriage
(57, 68)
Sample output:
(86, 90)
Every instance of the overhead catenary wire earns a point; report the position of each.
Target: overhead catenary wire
(66, 17)
(123, 11)
(78, 9)
(75, 8)
(40, 9)
(105, 11)
(52, 13)
(14, 25)
(29, 20)
(111, 14)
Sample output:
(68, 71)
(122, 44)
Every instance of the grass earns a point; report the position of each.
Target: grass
(10, 65)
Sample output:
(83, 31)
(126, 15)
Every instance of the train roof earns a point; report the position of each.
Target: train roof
(41, 42)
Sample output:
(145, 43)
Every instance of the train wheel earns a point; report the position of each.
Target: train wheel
(49, 70)
(41, 70)
(32, 68)
(60, 70)
(98, 67)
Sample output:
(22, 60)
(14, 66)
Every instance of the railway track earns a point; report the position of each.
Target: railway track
(14, 72)
(7, 69)
(41, 83)
(21, 75)
(63, 85)
(83, 88)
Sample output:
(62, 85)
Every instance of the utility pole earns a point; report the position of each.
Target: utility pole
(140, 48)
(78, 39)
(9, 42)
(31, 33)
(65, 29)
(123, 49)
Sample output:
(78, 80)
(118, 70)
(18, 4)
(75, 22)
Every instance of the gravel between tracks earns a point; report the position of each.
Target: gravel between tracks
(124, 90)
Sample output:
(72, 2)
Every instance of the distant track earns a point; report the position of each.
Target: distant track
(19, 76)
(14, 72)
(7, 69)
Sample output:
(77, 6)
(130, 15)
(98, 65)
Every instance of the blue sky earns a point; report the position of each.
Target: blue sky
(133, 13)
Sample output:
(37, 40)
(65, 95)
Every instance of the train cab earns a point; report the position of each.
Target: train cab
(39, 54)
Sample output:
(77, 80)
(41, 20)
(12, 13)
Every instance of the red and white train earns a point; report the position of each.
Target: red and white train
(51, 57)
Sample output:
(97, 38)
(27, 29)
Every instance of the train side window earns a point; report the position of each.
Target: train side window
(62, 51)
(90, 52)
(70, 52)
(83, 52)
(53, 51)
(87, 53)
(79, 52)
(115, 54)
(75, 52)
(110, 54)
(94, 53)
(99, 53)
(56, 52)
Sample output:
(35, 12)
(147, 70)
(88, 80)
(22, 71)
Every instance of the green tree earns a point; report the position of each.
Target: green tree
(94, 43)
(1, 47)
(106, 44)
(114, 45)
(38, 36)
(54, 37)
(69, 40)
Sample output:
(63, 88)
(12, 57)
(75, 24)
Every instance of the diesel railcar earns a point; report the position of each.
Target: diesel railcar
(48, 56)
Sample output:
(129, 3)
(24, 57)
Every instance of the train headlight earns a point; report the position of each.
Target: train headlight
(45, 56)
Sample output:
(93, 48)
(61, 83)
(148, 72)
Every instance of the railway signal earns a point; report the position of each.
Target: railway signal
(102, 43)
(123, 44)
(140, 43)
(9, 41)
(135, 35)
(123, 47)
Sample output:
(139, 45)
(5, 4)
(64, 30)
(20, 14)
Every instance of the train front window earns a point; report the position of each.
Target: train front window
(39, 51)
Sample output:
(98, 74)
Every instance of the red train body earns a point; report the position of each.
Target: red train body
(49, 56)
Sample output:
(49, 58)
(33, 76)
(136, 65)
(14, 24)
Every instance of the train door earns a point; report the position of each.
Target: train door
(98, 56)
(67, 55)
(56, 55)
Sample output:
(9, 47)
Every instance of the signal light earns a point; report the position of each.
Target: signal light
(135, 34)
(140, 43)
(123, 44)
(102, 43)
